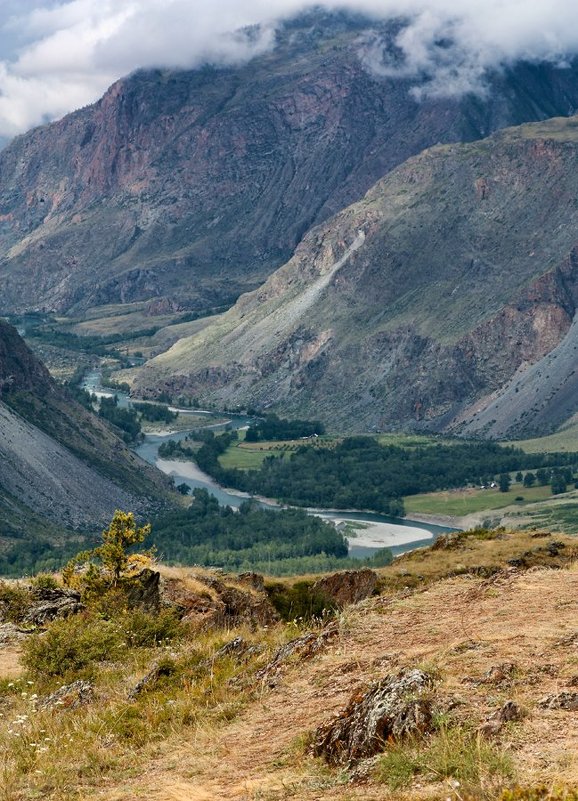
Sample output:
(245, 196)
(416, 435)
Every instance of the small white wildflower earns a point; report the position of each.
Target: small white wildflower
(11, 684)
(30, 682)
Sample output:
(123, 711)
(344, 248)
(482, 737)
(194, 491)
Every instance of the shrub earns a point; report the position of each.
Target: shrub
(44, 581)
(73, 646)
(300, 602)
(143, 630)
(14, 602)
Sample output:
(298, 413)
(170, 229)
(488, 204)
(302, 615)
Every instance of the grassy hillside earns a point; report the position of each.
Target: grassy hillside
(234, 723)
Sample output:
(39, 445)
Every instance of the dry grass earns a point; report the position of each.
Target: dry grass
(463, 627)
(10, 667)
(217, 733)
(478, 551)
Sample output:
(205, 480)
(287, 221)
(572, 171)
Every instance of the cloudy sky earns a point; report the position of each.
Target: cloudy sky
(59, 55)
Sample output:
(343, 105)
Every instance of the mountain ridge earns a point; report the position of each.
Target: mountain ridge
(194, 186)
(467, 274)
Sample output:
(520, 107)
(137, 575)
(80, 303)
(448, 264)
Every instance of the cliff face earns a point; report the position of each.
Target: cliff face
(57, 460)
(418, 305)
(194, 186)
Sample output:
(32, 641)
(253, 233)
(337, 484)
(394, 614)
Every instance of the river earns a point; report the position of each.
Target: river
(376, 531)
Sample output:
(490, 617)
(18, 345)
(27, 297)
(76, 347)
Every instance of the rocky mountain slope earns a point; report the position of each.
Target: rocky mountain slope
(418, 305)
(58, 462)
(194, 186)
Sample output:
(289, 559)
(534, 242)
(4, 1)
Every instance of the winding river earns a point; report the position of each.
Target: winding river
(376, 531)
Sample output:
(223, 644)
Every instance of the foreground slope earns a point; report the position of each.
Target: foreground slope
(480, 666)
(59, 462)
(194, 186)
(223, 714)
(412, 307)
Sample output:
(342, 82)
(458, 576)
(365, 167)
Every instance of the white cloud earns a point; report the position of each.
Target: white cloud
(57, 55)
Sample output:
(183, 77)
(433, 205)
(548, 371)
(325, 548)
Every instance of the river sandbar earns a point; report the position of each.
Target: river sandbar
(383, 535)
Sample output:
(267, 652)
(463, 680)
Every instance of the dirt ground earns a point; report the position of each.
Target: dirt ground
(10, 667)
(460, 629)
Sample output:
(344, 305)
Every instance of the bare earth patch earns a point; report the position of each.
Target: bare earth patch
(10, 667)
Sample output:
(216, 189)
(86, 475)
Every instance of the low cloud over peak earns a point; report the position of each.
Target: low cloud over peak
(58, 55)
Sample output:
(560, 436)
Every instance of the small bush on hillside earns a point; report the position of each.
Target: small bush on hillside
(301, 602)
(482, 533)
(73, 647)
(143, 630)
(14, 602)
(452, 752)
(44, 581)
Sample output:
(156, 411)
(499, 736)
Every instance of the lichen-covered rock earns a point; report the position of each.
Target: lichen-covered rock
(503, 673)
(508, 713)
(348, 586)
(49, 604)
(150, 680)
(304, 647)
(10, 634)
(213, 602)
(394, 707)
(563, 700)
(69, 696)
(254, 580)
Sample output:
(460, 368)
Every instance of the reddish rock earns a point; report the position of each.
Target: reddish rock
(347, 587)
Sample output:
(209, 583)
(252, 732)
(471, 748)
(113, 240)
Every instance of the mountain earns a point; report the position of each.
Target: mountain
(446, 293)
(195, 186)
(61, 467)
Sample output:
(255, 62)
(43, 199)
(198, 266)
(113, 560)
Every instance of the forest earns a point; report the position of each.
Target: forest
(360, 473)
(273, 427)
(283, 542)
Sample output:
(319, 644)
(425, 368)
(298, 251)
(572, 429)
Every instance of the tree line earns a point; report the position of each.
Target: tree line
(277, 542)
(273, 427)
(360, 473)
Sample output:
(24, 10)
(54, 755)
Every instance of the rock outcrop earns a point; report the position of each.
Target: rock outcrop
(348, 586)
(302, 648)
(206, 601)
(49, 604)
(393, 708)
(69, 696)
